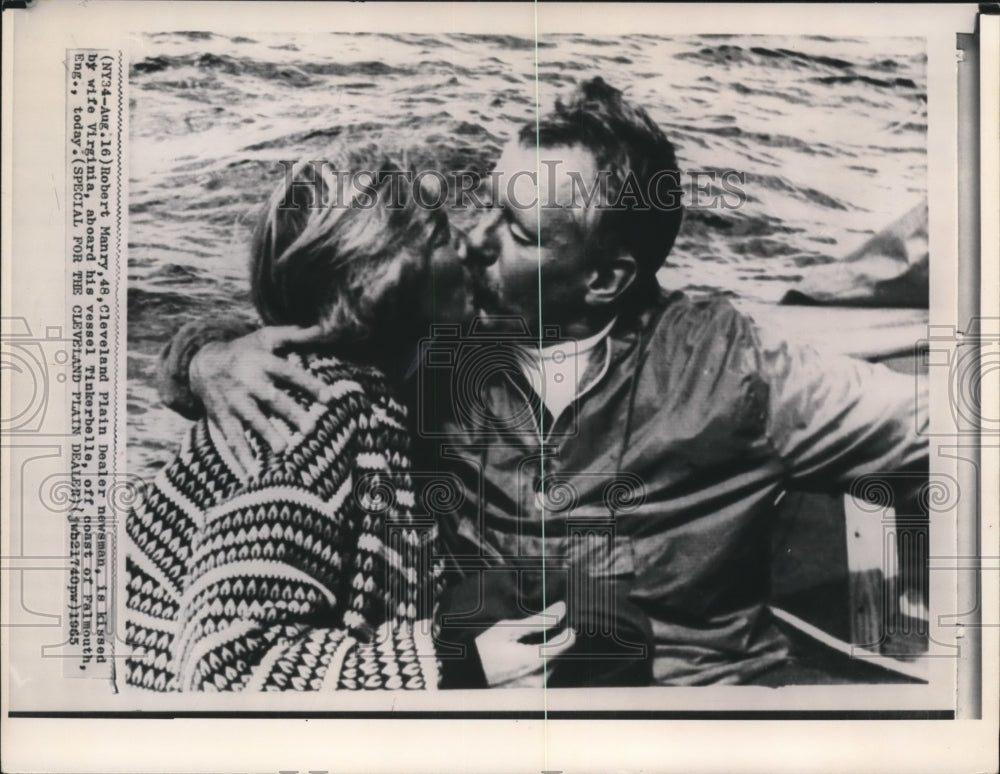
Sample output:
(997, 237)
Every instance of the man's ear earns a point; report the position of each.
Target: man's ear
(607, 283)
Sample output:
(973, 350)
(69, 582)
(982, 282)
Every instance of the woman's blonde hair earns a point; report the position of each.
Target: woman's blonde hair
(334, 247)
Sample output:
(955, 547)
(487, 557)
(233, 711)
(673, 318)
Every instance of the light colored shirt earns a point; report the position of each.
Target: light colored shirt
(557, 373)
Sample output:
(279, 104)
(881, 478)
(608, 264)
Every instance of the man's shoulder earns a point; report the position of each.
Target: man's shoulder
(685, 323)
(702, 364)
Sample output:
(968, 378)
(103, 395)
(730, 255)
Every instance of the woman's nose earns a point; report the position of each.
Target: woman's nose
(482, 246)
(460, 243)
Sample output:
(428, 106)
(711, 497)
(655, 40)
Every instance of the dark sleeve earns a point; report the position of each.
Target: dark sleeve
(460, 664)
(833, 419)
(173, 381)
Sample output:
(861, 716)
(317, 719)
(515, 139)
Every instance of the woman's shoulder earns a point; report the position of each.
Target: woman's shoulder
(353, 386)
(358, 410)
(333, 370)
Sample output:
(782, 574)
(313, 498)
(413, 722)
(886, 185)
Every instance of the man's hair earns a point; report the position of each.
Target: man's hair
(329, 252)
(626, 143)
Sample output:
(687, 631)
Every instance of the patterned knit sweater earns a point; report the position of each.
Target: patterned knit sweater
(309, 574)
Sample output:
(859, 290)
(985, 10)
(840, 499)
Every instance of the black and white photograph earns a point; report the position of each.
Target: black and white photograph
(530, 269)
(535, 364)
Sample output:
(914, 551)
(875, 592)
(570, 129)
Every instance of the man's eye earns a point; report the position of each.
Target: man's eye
(520, 235)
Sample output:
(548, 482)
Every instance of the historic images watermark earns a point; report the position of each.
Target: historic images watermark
(431, 189)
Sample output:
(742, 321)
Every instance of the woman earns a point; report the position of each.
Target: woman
(302, 573)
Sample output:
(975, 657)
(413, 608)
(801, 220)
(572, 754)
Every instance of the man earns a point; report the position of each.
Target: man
(608, 441)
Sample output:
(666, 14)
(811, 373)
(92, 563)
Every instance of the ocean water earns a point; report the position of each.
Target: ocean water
(829, 136)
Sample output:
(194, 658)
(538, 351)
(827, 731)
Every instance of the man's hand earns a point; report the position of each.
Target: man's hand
(510, 663)
(236, 381)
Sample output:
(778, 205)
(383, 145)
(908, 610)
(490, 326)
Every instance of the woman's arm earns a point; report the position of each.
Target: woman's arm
(161, 531)
(309, 577)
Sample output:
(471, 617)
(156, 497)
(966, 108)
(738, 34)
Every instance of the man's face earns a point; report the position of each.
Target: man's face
(527, 255)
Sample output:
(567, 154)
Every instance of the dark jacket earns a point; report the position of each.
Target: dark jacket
(663, 475)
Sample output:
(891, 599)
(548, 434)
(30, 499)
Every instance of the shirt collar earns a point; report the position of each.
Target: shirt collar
(573, 348)
(594, 350)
